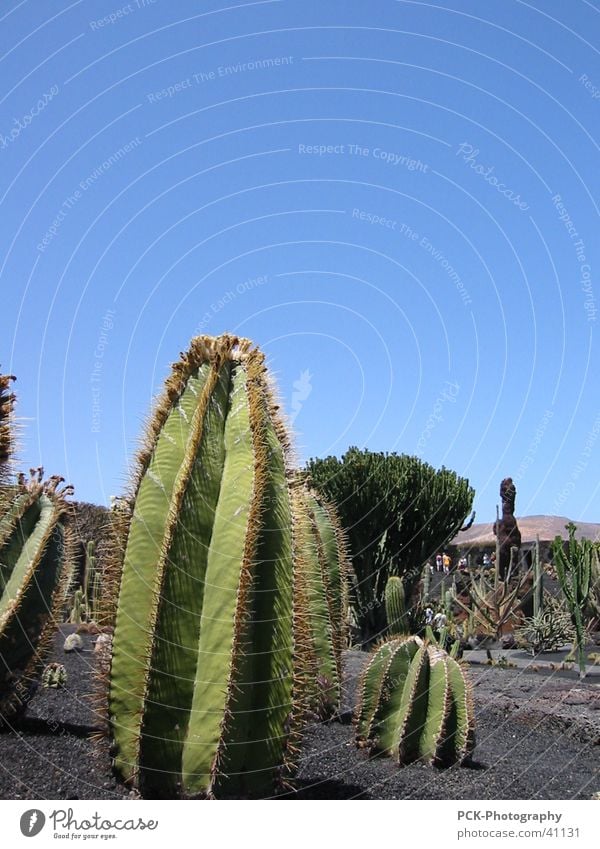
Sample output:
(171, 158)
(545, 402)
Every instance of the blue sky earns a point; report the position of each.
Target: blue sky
(398, 201)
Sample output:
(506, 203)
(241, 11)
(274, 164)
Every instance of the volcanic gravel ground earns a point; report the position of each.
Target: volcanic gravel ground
(537, 738)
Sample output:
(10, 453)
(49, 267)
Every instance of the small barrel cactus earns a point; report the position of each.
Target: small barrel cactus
(54, 676)
(415, 704)
(213, 651)
(395, 607)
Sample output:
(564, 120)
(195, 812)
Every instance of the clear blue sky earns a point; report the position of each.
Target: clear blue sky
(398, 201)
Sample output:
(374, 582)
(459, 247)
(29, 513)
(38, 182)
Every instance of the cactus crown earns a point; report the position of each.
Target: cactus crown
(415, 704)
(7, 400)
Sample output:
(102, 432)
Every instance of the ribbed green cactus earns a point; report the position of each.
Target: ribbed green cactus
(395, 607)
(319, 547)
(415, 704)
(212, 650)
(574, 571)
(35, 573)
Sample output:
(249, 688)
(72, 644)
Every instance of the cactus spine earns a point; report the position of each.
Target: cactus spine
(213, 647)
(395, 607)
(415, 704)
(574, 568)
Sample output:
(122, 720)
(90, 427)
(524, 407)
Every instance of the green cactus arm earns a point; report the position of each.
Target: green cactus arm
(133, 633)
(28, 546)
(560, 562)
(22, 525)
(13, 515)
(370, 687)
(438, 705)
(395, 606)
(586, 557)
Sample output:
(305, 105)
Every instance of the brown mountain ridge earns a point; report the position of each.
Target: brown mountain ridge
(546, 526)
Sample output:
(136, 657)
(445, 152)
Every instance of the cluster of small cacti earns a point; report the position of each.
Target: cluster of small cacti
(228, 590)
(35, 558)
(415, 704)
(547, 630)
(54, 676)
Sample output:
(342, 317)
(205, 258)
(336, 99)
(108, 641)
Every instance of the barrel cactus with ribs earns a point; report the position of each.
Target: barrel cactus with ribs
(214, 654)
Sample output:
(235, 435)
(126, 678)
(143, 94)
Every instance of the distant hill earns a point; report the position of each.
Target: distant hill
(546, 526)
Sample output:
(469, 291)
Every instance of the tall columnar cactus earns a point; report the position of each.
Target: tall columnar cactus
(574, 569)
(426, 584)
(395, 607)
(415, 704)
(212, 647)
(35, 574)
(90, 588)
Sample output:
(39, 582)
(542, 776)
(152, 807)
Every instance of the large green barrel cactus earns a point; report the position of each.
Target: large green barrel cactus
(415, 704)
(211, 649)
(395, 607)
(320, 551)
(35, 574)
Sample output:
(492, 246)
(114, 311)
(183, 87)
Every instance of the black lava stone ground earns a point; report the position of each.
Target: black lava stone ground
(537, 738)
